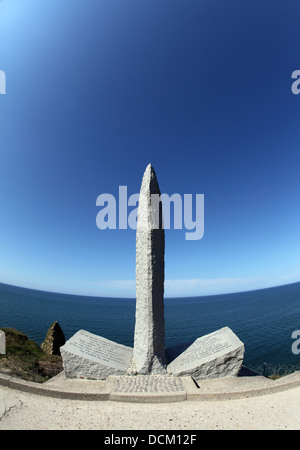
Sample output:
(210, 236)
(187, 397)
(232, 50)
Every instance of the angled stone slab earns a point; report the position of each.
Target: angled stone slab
(2, 343)
(87, 355)
(214, 355)
(176, 350)
(149, 336)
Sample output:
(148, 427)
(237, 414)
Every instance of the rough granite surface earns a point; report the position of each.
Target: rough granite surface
(87, 355)
(149, 337)
(214, 355)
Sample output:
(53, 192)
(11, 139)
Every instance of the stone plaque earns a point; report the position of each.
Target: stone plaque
(2, 343)
(87, 355)
(215, 355)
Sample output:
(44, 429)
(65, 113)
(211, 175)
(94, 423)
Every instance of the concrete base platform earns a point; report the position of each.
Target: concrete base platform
(154, 388)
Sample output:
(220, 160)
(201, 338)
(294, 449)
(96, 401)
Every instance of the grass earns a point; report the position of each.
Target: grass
(275, 371)
(25, 359)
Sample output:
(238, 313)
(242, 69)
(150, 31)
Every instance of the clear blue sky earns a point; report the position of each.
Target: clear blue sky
(98, 89)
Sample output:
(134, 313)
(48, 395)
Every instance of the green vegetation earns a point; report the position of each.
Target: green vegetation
(25, 359)
(275, 371)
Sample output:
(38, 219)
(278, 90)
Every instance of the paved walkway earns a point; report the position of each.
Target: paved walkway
(27, 411)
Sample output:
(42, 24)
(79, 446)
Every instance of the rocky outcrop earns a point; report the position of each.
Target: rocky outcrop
(54, 340)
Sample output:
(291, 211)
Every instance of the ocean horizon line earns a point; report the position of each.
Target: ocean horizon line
(58, 293)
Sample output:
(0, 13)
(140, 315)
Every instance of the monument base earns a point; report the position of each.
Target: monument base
(215, 355)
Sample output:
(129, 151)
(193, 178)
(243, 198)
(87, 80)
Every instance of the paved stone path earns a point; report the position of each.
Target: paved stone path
(26, 411)
(148, 383)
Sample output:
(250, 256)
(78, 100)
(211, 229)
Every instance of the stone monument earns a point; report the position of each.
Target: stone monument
(149, 335)
(214, 355)
(2, 343)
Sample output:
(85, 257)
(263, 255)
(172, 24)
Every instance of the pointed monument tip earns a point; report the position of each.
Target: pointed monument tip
(149, 181)
(150, 169)
(149, 172)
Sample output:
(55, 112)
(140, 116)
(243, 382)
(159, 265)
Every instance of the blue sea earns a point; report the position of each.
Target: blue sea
(263, 319)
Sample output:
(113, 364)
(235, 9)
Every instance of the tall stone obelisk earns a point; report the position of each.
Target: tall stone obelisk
(149, 336)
